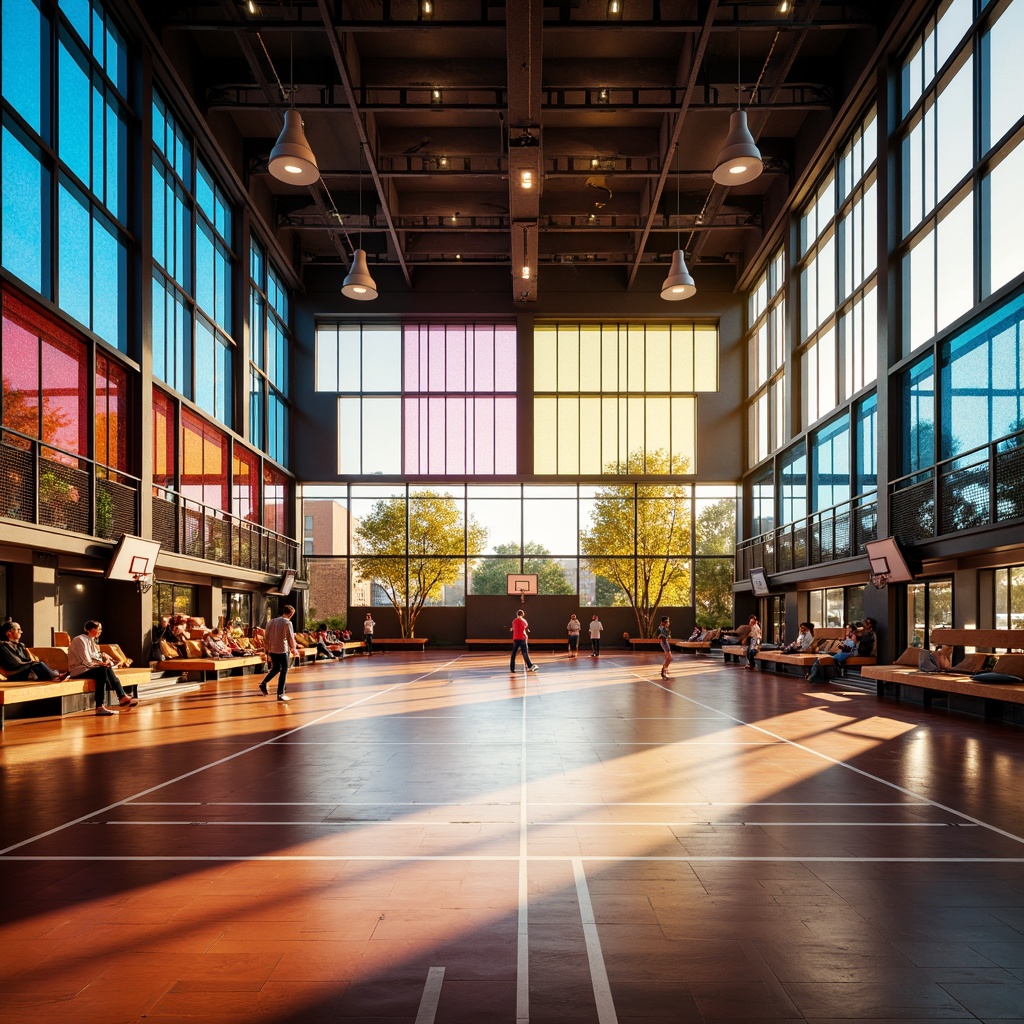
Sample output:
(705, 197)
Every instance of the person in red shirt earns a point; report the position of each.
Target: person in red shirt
(520, 627)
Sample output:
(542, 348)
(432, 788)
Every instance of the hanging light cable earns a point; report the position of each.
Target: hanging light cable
(358, 283)
(679, 284)
(739, 160)
(291, 159)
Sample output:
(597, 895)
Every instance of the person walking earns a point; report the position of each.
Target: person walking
(520, 627)
(279, 643)
(595, 636)
(573, 628)
(85, 660)
(664, 633)
(368, 625)
(753, 641)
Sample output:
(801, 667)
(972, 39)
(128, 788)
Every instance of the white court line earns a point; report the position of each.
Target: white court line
(522, 924)
(219, 761)
(431, 994)
(349, 743)
(533, 803)
(549, 858)
(595, 956)
(421, 823)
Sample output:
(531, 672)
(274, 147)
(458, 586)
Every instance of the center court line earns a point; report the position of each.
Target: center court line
(421, 823)
(522, 923)
(431, 994)
(222, 760)
(840, 764)
(595, 956)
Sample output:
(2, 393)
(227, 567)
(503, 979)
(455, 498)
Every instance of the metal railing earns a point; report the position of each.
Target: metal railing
(188, 527)
(825, 536)
(43, 485)
(977, 488)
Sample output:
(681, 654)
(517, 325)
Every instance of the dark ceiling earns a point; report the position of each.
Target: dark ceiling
(422, 125)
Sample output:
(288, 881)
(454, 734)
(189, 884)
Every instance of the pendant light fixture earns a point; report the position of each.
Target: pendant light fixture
(358, 283)
(739, 160)
(291, 159)
(679, 284)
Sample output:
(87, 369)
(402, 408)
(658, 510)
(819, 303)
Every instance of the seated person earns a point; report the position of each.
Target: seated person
(17, 663)
(696, 634)
(346, 635)
(803, 641)
(215, 645)
(856, 642)
(85, 660)
(322, 638)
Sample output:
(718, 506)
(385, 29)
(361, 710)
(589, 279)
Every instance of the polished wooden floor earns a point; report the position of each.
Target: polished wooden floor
(425, 838)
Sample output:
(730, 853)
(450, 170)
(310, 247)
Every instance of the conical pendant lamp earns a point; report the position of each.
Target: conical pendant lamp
(291, 159)
(358, 284)
(679, 284)
(739, 160)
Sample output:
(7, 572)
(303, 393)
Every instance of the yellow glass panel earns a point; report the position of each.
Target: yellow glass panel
(611, 432)
(658, 358)
(567, 437)
(705, 357)
(659, 435)
(568, 358)
(545, 347)
(545, 427)
(590, 357)
(611, 372)
(635, 376)
(682, 357)
(684, 432)
(636, 434)
(591, 435)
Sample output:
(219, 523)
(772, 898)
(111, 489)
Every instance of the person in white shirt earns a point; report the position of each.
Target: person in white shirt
(573, 628)
(595, 636)
(279, 644)
(368, 625)
(86, 660)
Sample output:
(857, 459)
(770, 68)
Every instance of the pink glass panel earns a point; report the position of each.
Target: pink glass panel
(64, 393)
(505, 435)
(456, 359)
(20, 375)
(505, 358)
(436, 358)
(412, 347)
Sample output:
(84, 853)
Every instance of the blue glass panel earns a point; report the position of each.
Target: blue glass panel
(109, 281)
(116, 169)
(256, 264)
(205, 268)
(24, 225)
(257, 326)
(222, 398)
(159, 321)
(830, 464)
(78, 13)
(256, 409)
(25, 56)
(73, 277)
(223, 289)
(183, 349)
(204, 191)
(73, 115)
(205, 366)
(866, 417)
(97, 177)
(793, 485)
(918, 401)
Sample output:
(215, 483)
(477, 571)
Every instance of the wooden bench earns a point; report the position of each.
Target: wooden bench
(699, 647)
(733, 653)
(211, 668)
(831, 635)
(399, 641)
(905, 680)
(637, 642)
(56, 658)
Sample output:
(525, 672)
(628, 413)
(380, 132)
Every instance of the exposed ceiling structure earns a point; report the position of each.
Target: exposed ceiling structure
(519, 133)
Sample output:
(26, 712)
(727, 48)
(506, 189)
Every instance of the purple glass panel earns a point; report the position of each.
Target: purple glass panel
(505, 435)
(435, 434)
(483, 450)
(411, 334)
(436, 365)
(412, 436)
(505, 358)
(456, 358)
(483, 359)
(455, 429)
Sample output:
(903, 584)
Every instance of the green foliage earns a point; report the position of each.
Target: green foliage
(489, 575)
(430, 526)
(656, 524)
(713, 577)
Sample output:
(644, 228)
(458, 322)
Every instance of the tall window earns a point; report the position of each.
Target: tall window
(204, 456)
(766, 348)
(113, 423)
(420, 399)
(865, 426)
(830, 464)
(960, 145)
(64, 161)
(1009, 597)
(918, 400)
(269, 341)
(620, 398)
(793, 484)
(838, 239)
(192, 267)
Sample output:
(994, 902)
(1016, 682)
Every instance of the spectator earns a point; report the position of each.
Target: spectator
(85, 660)
(279, 643)
(368, 625)
(215, 645)
(572, 629)
(803, 641)
(753, 641)
(595, 636)
(15, 660)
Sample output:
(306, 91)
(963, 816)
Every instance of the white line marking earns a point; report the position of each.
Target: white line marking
(533, 803)
(502, 859)
(421, 823)
(598, 972)
(431, 994)
(220, 761)
(522, 926)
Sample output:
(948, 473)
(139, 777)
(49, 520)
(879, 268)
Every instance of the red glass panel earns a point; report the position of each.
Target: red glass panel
(204, 475)
(112, 414)
(65, 393)
(164, 447)
(247, 484)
